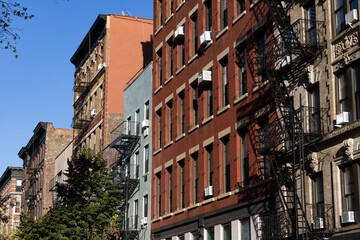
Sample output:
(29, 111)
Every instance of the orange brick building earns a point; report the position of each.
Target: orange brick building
(208, 105)
(114, 49)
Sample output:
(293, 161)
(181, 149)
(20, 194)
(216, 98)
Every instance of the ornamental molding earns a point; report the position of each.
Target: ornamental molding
(349, 148)
(348, 42)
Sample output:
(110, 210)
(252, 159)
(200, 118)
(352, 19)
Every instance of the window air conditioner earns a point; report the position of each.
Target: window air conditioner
(205, 37)
(285, 61)
(93, 112)
(144, 221)
(145, 123)
(209, 191)
(204, 77)
(146, 132)
(351, 17)
(348, 217)
(179, 32)
(342, 118)
(318, 223)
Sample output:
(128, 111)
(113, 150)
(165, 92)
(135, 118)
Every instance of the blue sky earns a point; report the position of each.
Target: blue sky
(37, 86)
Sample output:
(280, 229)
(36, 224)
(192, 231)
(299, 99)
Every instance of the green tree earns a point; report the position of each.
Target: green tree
(87, 207)
(9, 10)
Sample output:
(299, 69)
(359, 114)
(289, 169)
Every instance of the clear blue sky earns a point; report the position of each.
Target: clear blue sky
(37, 86)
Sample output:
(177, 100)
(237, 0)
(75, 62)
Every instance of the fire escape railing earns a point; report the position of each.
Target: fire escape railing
(81, 120)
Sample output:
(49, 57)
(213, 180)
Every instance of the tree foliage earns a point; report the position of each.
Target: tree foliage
(87, 207)
(10, 10)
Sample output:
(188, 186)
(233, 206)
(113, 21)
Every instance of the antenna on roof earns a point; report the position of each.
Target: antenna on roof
(127, 13)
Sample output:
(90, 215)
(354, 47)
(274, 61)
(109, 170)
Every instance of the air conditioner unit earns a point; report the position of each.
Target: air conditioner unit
(351, 17)
(100, 66)
(93, 112)
(285, 61)
(144, 221)
(205, 37)
(348, 217)
(342, 118)
(179, 32)
(146, 132)
(204, 77)
(318, 223)
(145, 123)
(209, 191)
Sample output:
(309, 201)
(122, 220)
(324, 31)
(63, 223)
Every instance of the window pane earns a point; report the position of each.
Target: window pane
(227, 231)
(210, 233)
(245, 229)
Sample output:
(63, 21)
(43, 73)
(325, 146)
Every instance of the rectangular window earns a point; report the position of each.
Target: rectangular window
(245, 229)
(226, 164)
(314, 121)
(244, 158)
(339, 16)
(194, 34)
(158, 193)
(195, 178)
(146, 204)
(209, 103)
(210, 233)
(209, 165)
(227, 231)
(159, 126)
(17, 207)
(182, 53)
(223, 14)
(137, 122)
(170, 58)
(128, 126)
(159, 67)
(261, 40)
(194, 98)
(146, 163)
(181, 113)
(182, 183)
(241, 62)
(171, 7)
(208, 15)
(159, 14)
(136, 213)
(147, 111)
(224, 82)
(170, 122)
(170, 199)
(357, 90)
(344, 102)
(318, 197)
(349, 189)
(240, 6)
(137, 165)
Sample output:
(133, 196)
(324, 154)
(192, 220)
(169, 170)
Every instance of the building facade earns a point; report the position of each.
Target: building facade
(137, 112)
(114, 49)
(10, 192)
(209, 100)
(39, 166)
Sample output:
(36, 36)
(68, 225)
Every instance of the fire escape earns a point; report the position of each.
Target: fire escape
(128, 175)
(282, 141)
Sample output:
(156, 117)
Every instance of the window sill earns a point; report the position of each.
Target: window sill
(208, 45)
(193, 206)
(180, 69)
(253, 4)
(206, 120)
(179, 137)
(157, 151)
(193, 128)
(167, 215)
(223, 109)
(207, 201)
(168, 144)
(179, 211)
(237, 18)
(261, 85)
(157, 31)
(225, 195)
(222, 32)
(156, 220)
(168, 80)
(192, 59)
(240, 98)
(168, 18)
(179, 6)
(158, 89)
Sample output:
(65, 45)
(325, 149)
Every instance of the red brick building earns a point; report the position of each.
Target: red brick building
(208, 105)
(10, 192)
(39, 166)
(112, 51)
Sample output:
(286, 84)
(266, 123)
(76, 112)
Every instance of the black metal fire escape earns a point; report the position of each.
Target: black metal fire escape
(284, 61)
(127, 175)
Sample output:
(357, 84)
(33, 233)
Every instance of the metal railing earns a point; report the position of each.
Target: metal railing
(321, 217)
(80, 120)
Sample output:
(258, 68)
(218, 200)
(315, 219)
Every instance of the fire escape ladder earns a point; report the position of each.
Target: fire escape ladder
(126, 144)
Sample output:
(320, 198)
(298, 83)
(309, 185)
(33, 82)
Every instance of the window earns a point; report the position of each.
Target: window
(159, 14)
(146, 162)
(245, 229)
(170, 58)
(240, 6)
(137, 123)
(224, 82)
(318, 196)
(181, 113)
(241, 63)
(128, 125)
(261, 40)
(158, 193)
(342, 7)
(348, 189)
(169, 121)
(226, 231)
(17, 207)
(210, 233)
(244, 158)
(182, 183)
(159, 126)
(136, 213)
(226, 164)
(146, 204)
(208, 107)
(159, 67)
(208, 15)
(195, 178)
(180, 51)
(194, 34)
(314, 97)
(223, 14)
(209, 165)
(310, 14)
(170, 199)
(137, 164)
(194, 98)
(171, 7)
